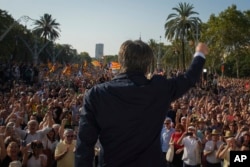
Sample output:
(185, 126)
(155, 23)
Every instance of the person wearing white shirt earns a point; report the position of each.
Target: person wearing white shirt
(32, 133)
(211, 149)
(192, 145)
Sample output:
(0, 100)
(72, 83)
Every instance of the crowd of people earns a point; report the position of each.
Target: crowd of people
(39, 113)
(39, 116)
(204, 125)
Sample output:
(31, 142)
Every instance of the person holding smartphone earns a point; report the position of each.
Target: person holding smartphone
(36, 158)
(192, 144)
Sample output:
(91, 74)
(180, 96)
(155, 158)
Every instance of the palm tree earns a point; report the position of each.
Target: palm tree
(182, 25)
(154, 46)
(47, 27)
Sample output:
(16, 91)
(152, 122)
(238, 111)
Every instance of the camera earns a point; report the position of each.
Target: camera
(23, 143)
(1, 121)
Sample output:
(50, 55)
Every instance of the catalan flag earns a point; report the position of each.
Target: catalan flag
(75, 66)
(115, 65)
(96, 63)
(53, 68)
(50, 65)
(85, 63)
(67, 70)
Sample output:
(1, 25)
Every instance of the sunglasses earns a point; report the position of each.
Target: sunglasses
(70, 136)
(37, 146)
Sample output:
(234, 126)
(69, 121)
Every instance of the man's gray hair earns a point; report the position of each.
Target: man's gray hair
(66, 131)
(15, 164)
(168, 119)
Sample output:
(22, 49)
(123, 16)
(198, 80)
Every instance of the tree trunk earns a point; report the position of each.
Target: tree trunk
(183, 54)
(237, 65)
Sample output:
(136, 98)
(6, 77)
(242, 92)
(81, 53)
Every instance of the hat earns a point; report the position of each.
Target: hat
(191, 127)
(65, 110)
(232, 123)
(10, 124)
(215, 132)
(183, 106)
(15, 164)
(228, 134)
(245, 133)
(192, 124)
(183, 117)
(241, 122)
(200, 120)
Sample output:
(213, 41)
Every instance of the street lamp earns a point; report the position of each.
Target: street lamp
(197, 34)
(158, 65)
(35, 51)
(176, 53)
(53, 55)
(25, 18)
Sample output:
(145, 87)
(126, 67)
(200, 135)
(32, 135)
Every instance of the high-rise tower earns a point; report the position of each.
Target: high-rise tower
(99, 50)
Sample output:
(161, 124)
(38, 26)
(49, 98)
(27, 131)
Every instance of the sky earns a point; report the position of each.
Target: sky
(84, 23)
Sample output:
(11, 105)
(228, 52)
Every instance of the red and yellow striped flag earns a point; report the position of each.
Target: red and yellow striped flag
(115, 65)
(50, 65)
(53, 68)
(85, 63)
(96, 63)
(67, 70)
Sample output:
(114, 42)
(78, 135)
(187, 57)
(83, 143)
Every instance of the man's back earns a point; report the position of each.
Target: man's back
(129, 125)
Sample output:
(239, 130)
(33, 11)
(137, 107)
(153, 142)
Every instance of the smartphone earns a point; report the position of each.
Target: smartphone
(189, 134)
(23, 143)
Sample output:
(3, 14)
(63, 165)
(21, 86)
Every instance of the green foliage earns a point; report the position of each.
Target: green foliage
(84, 56)
(228, 37)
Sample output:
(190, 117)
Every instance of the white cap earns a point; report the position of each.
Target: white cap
(191, 127)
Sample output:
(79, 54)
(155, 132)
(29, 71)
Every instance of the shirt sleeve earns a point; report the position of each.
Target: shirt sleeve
(87, 135)
(199, 54)
(21, 133)
(43, 132)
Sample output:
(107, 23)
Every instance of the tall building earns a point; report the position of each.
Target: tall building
(99, 50)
